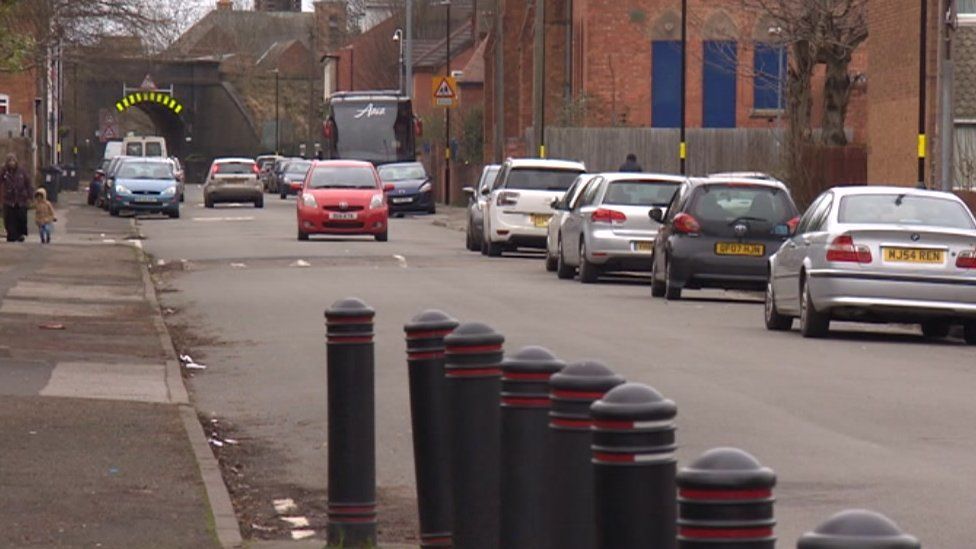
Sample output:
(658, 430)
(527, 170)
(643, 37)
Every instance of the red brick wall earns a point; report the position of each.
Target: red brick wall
(22, 89)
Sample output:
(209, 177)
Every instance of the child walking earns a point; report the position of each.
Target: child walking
(44, 215)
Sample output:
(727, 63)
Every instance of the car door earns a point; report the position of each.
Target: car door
(790, 258)
(678, 202)
(560, 209)
(497, 183)
(573, 224)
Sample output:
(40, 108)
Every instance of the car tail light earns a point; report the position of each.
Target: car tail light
(215, 169)
(793, 224)
(686, 223)
(843, 249)
(507, 199)
(604, 215)
(966, 259)
(255, 169)
(418, 127)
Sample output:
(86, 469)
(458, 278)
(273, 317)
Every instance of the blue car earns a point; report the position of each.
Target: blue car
(412, 188)
(144, 185)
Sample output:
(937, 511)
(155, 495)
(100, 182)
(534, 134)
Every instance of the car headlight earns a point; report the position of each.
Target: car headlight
(121, 189)
(169, 191)
(308, 199)
(425, 188)
(376, 202)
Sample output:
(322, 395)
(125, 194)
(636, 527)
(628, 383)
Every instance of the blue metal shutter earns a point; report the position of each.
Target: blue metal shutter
(666, 84)
(768, 81)
(719, 82)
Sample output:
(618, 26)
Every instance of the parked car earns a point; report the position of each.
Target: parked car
(109, 180)
(719, 233)
(610, 229)
(877, 254)
(266, 163)
(412, 187)
(292, 177)
(476, 206)
(343, 197)
(519, 207)
(95, 187)
(561, 209)
(743, 175)
(145, 185)
(277, 173)
(180, 175)
(233, 180)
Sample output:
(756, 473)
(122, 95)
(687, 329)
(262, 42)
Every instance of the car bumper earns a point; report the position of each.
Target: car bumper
(143, 204)
(517, 229)
(856, 294)
(694, 264)
(410, 202)
(234, 193)
(317, 221)
(291, 187)
(621, 252)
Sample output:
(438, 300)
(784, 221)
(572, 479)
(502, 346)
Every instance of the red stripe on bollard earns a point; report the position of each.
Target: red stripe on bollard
(724, 533)
(473, 372)
(581, 395)
(526, 376)
(526, 401)
(614, 458)
(428, 335)
(575, 423)
(724, 495)
(473, 349)
(424, 356)
(607, 424)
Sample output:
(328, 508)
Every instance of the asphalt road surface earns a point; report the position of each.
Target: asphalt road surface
(874, 417)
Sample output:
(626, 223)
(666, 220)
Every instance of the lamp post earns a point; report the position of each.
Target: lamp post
(398, 38)
(447, 110)
(682, 147)
(277, 119)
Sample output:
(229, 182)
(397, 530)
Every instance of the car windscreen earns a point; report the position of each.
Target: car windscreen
(133, 149)
(904, 209)
(145, 170)
(235, 168)
(264, 163)
(300, 168)
(640, 193)
(154, 149)
(346, 177)
(540, 179)
(737, 202)
(402, 172)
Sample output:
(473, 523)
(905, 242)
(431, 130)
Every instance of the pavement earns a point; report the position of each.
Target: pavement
(875, 416)
(101, 447)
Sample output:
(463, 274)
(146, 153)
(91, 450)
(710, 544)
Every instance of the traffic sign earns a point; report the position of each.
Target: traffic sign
(445, 92)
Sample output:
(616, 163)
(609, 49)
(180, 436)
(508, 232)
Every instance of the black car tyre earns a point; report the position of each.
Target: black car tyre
(282, 195)
(774, 320)
(208, 202)
(658, 286)
(563, 271)
(182, 197)
(302, 235)
(433, 209)
(471, 241)
(174, 213)
(259, 203)
(382, 237)
(813, 323)
(969, 332)
(936, 329)
(495, 249)
(552, 263)
(671, 292)
(113, 211)
(588, 272)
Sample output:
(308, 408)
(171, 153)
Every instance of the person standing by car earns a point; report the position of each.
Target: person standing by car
(17, 192)
(44, 216)
(631, 164)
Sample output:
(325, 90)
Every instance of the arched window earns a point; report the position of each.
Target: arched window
(4, 103)
(666, 71)
(769, 66)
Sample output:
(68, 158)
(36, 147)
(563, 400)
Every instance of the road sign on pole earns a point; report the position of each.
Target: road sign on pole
(445, 92)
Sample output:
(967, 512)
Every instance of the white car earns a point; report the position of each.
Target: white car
(233, 180)
(562, 208)
(519, 208)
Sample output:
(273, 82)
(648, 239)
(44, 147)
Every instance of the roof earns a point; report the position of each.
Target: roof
(237, 31)
(642, 176)
(474, 71)
(890, 189)
(715, 180)
(546, 163)
(434, 55)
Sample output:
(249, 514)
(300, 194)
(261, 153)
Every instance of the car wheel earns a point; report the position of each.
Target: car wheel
(813, 323)
(182, 197)
(433, 209)
(282, 195)
(494, 249)
(259, 203)
(484, 246)
(563, 271)
(112, 211)
(588, 272)
(552, 263)
(382, 237)
(471, 243)
(657, 286)
(671, 292)
(208, 202)
(969, 332)
(936, 329)
(91, 200)
(774, 320)
(174, 213)
(302, 235)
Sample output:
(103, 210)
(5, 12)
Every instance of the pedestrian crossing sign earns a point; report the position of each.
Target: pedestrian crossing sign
(445, 92)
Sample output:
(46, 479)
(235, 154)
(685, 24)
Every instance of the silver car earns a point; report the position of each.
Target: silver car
(610, 229)
(877, 254)
(562, 207)
(233, 180)
(476, 206)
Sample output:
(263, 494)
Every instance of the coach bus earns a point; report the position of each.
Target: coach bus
(376, 126)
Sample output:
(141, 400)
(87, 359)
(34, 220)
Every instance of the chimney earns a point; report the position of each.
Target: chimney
(225, 5)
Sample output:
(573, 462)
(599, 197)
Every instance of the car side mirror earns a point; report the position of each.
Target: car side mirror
(555, 204)
(657, 214)
(486, 191)
(388, 187)
(468, 191)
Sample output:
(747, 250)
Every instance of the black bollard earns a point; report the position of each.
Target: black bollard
(428, 413)
(473, 373)
(352, 427)
(569, 480)
(725, 500)
(524, 445)
(858, 529)
(634, 469)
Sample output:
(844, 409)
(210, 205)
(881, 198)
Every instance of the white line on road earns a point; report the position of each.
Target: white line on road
(401, 260)
(239, 218)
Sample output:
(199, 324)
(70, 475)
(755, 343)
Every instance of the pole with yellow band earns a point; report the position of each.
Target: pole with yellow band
(683, 150)
(922, 145)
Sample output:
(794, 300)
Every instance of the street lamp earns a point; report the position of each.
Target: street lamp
(682, 147)
(277, 119)
(447, 110)
(398, 38)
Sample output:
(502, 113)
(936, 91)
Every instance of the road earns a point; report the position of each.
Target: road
(874, 417)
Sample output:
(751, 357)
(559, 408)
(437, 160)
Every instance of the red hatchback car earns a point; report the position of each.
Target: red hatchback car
(342, 197)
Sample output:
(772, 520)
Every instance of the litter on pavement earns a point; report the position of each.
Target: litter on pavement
(300, 263)
(284, 505)
(189, 364)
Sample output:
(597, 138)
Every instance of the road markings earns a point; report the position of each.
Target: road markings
(299, 524)
(238, 218)
(238, 265)
(302, 534)
(402, 261)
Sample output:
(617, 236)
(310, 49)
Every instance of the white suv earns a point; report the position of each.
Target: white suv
(519, 207)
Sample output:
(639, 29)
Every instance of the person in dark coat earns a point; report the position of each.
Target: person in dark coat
(631, 164)
(16, 195)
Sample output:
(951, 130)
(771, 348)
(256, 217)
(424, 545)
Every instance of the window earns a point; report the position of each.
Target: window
(819, 221)
(904, 209)
(966, 7)
(666, 84)
(769, 66)
(592, 190)
(719, 82)
(540, 179)
(4, 103)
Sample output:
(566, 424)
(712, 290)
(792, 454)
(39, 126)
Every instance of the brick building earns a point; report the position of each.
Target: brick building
(17, 93)
(623, 67)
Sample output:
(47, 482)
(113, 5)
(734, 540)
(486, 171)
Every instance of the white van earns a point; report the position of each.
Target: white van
(112, 149)
(152, 146)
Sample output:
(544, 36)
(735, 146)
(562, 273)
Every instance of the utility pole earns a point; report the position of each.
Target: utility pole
(447, 113)
(277, 119)
(682, 146)
(408, 51)
(539, 78)
(922, 96)
(947, 75)
(499, 75)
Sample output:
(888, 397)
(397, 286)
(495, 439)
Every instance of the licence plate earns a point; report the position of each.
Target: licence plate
(342, 215)
(540, 221)
(740, 248)
(913, 255)
(643, 246)
(401, 200)
(145, 199)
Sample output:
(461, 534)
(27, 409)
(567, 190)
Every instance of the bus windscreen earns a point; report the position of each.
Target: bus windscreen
(367, 131)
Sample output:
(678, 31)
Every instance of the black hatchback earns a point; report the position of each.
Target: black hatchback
(719, 233)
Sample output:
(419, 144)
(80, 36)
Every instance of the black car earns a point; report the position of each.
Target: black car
(719, 233)
(292, 176)
(412, 188)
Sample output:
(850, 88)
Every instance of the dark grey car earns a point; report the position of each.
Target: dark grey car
(476, 206)
(719, 233)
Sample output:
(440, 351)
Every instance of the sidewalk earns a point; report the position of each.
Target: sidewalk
(101, 447)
